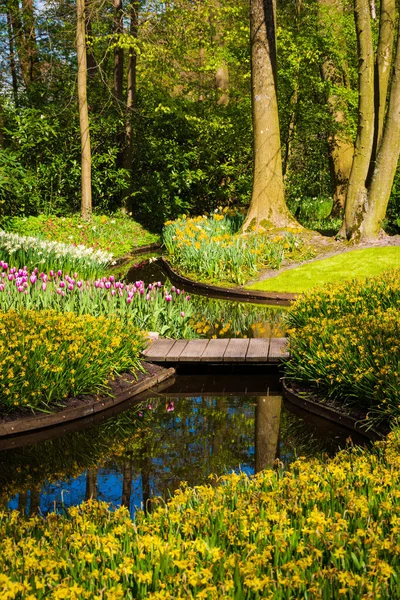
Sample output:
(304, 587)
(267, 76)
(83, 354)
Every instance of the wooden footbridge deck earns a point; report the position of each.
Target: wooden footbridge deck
(234, 350)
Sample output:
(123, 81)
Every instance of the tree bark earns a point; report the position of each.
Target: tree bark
(13, 66)
(357, 191)
(383, 64)
(131, 88)
(267, 424)
(386, 161)
(118, 51)
(86, 157)
(267, 205)
(30, 40)
(341, 148)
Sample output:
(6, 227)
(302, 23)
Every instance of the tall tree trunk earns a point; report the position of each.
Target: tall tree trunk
(127, 160)
(118, 51)
(267, 424)
(267, 205)
(357, 190)
(30, 40)
(386, 161)
(34, 506)
(91, 63)
(13, 66)
(341, 148)
(383, 65)
(19, 37)
(86, 157)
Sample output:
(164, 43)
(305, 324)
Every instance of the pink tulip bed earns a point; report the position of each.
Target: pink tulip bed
(151, 308)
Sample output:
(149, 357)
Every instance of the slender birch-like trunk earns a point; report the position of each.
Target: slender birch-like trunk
(86, 157)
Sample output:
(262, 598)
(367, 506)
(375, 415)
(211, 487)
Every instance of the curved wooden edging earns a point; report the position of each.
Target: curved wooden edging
(196, 287)
(29, 424)
(328, 413)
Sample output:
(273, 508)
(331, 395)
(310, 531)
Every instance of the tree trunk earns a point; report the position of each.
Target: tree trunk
(386, 161)
(91, 63)
(341, 148)
(267, 424)
(19, 37)
(13, 66)
(118, 51)
(86, 158)
(131, 91)
(383, 65)
(30, 40)
(357, 191)
(267, 205)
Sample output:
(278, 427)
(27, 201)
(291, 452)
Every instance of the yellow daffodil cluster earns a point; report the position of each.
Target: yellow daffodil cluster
(212, 247)
(46, 356)
(323, 529)
(345, 342)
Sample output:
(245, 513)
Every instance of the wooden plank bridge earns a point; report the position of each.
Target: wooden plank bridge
(227, 351)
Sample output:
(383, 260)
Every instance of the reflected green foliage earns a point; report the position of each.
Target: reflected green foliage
(228, 319)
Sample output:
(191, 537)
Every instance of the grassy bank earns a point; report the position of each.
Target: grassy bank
(115, 234)
(349, 265)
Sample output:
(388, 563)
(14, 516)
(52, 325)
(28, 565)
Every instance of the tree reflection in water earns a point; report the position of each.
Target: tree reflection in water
(149, 450)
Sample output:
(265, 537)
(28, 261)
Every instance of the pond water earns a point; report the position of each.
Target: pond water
(199, 425)
(219, 318)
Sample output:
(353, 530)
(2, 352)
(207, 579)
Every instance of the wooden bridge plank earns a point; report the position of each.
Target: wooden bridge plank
(176, 350)
(214, 351)
(236, 350)
(257, 350)
(193, 351)
(277, 350)
(158, 349)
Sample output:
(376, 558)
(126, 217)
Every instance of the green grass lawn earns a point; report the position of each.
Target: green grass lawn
(349, 265)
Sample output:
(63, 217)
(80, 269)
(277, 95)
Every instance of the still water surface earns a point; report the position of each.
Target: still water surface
(197, 426)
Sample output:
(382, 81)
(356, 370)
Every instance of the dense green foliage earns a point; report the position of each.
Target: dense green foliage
(344, 346)
(185, 128)
(322, 529)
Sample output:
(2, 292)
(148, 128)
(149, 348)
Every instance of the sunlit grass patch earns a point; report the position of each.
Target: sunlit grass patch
(348, 265)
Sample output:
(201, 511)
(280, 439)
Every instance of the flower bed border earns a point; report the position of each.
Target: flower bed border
(326, 412)
(242, 295)
(30, 424)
